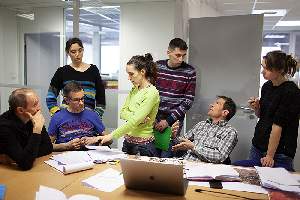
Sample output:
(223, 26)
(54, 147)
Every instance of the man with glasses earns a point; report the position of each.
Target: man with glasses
(74, 127)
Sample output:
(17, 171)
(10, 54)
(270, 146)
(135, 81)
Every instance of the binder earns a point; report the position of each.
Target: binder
(162, 139)
(2, 191)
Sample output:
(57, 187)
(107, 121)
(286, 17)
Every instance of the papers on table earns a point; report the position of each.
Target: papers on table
(235, 186)
(106, 181)
(47, 193)
(104, 156)
(278, 178)
(205, 172)
(73, 161)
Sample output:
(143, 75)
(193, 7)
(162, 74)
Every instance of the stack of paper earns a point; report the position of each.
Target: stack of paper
(278, 178)
(205, 172)
(106, 181)
(47, 193)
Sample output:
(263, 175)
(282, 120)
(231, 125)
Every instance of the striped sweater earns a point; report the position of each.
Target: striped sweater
(176, 89)
(90, 80)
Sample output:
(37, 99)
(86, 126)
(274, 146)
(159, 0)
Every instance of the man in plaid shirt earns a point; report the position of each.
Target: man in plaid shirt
(214, 139)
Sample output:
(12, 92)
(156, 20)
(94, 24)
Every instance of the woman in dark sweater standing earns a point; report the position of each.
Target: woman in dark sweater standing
(86, 74)
(275, 138)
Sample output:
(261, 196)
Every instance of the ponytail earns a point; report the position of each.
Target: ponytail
(146, 63)
(291, 64)
(280, 61)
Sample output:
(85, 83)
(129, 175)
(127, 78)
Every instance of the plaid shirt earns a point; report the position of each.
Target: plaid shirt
(213, 141)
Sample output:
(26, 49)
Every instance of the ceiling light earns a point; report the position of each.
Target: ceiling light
(107, 7)
(288, 23)
(27, 16)
(275, 36)
(271, 13)
(281, 44)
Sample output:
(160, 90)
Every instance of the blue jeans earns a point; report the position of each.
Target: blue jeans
(280, 160)
(141, 149)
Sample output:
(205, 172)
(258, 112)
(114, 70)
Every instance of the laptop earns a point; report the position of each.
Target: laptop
(154, 176)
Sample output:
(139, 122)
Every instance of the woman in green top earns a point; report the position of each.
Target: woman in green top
(140, 108)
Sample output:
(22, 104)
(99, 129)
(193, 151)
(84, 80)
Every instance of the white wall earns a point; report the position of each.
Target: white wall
(145, 27)
(9, 71)
(46, 20)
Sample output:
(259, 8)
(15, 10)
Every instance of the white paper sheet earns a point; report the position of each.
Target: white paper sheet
(107, 181)
(104, 156)
(47, 193)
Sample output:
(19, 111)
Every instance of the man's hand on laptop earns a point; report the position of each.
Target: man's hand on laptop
(185, 144)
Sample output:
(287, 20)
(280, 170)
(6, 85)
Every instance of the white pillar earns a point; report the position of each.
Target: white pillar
(97, 49)
(76, 12)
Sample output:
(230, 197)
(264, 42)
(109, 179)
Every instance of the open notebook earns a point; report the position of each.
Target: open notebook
(47, 193)
(208, 171)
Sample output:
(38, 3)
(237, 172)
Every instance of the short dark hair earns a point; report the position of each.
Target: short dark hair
(145, 62)
(73, 41)
(72, 86)
(18, 98)
(178, 43)
(280, 61)
(228, 105)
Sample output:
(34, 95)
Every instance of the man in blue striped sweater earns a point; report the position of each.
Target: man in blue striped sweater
(176, 82)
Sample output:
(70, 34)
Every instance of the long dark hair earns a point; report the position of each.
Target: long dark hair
(146, 63)
(280, 61)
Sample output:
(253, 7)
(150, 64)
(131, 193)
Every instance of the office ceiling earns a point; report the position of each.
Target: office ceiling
(226, 7)
(242, 7)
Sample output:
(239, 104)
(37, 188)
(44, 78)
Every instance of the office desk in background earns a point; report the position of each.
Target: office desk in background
(22, 185)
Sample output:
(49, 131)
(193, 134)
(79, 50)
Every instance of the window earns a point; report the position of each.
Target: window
(99, 30)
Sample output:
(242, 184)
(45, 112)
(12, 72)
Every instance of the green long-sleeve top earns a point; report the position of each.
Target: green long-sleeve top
(139, 104)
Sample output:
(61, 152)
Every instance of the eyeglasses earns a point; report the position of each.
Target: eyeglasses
(77, 99)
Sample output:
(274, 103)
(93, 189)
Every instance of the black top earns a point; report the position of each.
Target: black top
(18, 141)
(279, 105)
(90, 80)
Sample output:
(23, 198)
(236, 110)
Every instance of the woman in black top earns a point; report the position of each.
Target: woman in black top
(86, 74)
(275, 138)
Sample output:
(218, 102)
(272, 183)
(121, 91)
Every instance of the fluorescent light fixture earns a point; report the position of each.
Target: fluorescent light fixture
(271, 13)
(275, 36)
(107, 7)
(29, 16)
(281, 44)
(288, 23)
